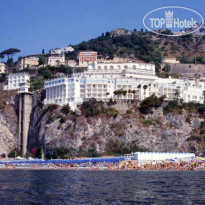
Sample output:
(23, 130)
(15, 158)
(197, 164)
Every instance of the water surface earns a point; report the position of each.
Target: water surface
(58, 187)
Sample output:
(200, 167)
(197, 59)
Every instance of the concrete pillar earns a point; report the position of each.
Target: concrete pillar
(25, 108)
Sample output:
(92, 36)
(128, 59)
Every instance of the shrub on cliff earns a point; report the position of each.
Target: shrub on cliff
(50, 108)
(151, 102)
(62, 118)
(66, 109)
(14, 153)
(171, 105)
(91, 152)
(61, 153)
(195, 138)
(120, 147)
(92, 107)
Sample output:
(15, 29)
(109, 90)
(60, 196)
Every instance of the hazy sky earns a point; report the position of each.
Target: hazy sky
(31, 25)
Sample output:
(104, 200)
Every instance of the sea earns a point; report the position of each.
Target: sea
(56, 187)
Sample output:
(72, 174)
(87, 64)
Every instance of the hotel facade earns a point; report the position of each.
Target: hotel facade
(19, 82)
(102, 80)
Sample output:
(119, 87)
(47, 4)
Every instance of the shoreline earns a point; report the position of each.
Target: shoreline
(88, 169)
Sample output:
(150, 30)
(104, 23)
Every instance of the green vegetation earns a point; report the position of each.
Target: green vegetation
(94, 107)
(147, 122)
(37, 83)
(167, 68)
(66, 109)
(191, 107)
(188, 59)
(46, 73)
(91, 152)
(120, 92)
(50, 108)
(151, 102)
(195, 138)
(167, 75)
(42, 60)
(120, 147)
(123, 92)
(10, 52)
(14, 153)
(2, 77)
(62, 118)
(61, 153)
(137, 45)
(171, 105)
(129, 112)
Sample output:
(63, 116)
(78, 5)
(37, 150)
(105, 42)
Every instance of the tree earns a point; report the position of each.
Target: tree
(167, 68)
(1, 56)
(151, 102)
(9, 62)
(185, 59)
(145, 87)
(10, 52)
(42, 60)
(66, 109)
(177, 94)
(43, 52)
(111, 55)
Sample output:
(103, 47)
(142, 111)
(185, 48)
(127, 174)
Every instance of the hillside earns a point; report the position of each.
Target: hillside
(144, 46)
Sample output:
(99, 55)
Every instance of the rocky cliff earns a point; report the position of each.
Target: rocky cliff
(8, 121)
(119, 128)
(116, 128)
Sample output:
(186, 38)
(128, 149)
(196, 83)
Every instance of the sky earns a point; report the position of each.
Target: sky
(31, 25)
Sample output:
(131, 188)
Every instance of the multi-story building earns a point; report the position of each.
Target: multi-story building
(116, 70)
(87, 57)
(2, 68)
(120, 82)
(56, 60)
(18, 81)
(28, 62)
(60, 51)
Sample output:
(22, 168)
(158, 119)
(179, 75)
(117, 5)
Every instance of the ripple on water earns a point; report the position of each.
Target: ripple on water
(101, 187)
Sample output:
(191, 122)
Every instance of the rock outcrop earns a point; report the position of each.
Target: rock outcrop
(154, 132)
(8, 121)
(50, 127)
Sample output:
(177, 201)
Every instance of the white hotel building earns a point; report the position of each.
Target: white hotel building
(18, 81)
(102, 79)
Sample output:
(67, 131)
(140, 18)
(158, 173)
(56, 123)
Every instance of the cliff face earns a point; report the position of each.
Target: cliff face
(128, 129)
(8, 121)
(125, 129)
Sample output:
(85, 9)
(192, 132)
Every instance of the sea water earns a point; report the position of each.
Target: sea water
(58, 187)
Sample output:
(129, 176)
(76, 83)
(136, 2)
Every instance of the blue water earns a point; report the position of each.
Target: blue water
(58, 187)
